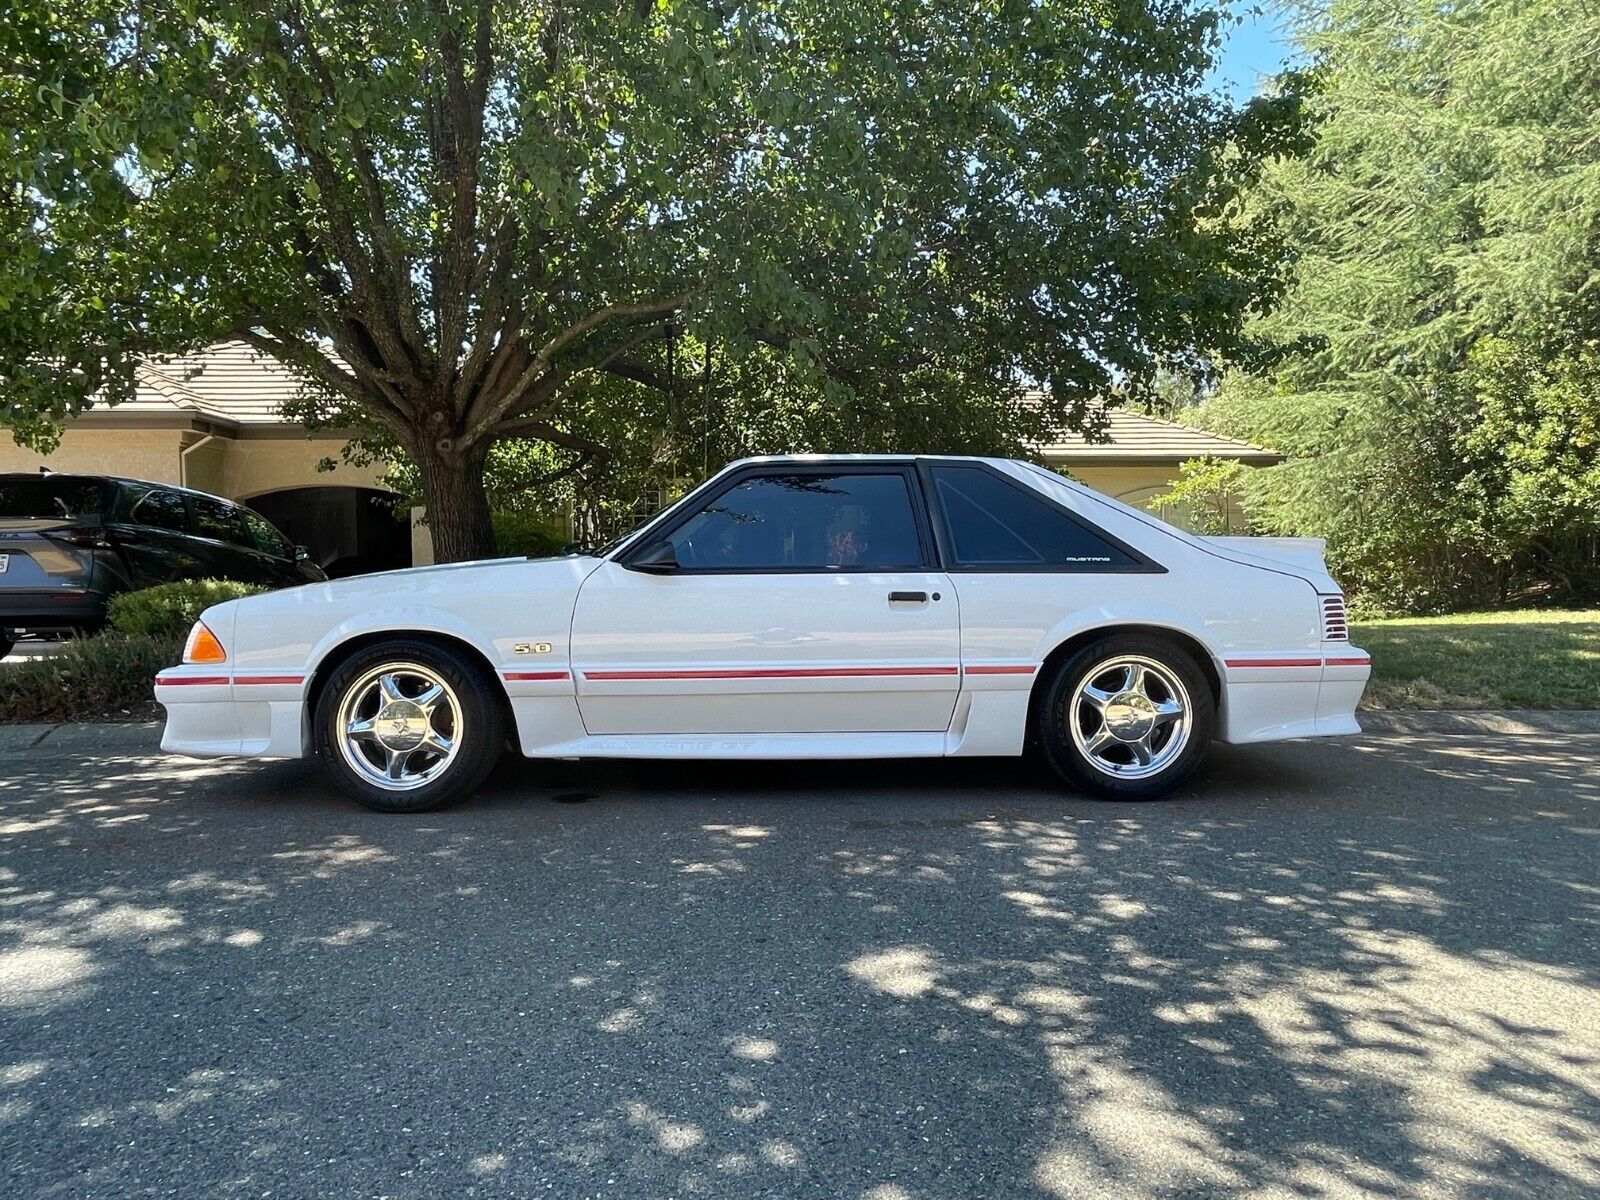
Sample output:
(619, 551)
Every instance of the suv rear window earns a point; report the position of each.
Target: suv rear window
(51, 496)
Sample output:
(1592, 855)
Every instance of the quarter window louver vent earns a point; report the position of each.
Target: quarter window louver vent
(1335, 628)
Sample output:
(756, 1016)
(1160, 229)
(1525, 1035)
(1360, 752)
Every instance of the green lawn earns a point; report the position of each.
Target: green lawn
(1525, 659)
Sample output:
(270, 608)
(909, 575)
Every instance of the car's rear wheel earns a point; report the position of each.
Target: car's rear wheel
(1127, 717)
(407, 725)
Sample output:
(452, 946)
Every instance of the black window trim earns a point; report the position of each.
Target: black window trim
(695, 503)
(1142, 563)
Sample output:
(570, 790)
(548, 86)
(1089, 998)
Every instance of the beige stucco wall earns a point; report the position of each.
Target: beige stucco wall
(237, 468)
(140, 453)
(256, 465)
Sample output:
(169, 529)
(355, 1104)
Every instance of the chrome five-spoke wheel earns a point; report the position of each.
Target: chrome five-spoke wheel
(408, 723)
(1130, 717)
(1127, 717)
(401, 726)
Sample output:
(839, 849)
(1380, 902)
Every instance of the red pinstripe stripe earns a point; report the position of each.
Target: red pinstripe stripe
(1363, 661)
(191, 680)
(532, 676)
(1273, 662)
(1001, 669)
(269, 678)
(772, 673)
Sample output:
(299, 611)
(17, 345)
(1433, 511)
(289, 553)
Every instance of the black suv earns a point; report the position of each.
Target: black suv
(68, 542)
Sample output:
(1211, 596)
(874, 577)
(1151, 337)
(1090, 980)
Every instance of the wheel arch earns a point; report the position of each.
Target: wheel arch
(1180, 639)
(335, 655)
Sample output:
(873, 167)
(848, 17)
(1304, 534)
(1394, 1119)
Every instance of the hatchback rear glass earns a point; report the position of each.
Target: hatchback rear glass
(50, 496)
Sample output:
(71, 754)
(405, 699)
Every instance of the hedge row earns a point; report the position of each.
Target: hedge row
(105, 677)
(169, 609)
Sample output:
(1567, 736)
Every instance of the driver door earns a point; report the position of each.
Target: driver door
(795, 599)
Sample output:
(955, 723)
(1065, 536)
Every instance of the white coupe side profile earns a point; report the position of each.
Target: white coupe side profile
(791, 608)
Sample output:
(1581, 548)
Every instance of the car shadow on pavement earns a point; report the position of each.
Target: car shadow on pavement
(1363, 968)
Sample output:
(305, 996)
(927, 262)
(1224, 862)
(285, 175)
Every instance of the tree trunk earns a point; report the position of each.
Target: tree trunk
(458, 506)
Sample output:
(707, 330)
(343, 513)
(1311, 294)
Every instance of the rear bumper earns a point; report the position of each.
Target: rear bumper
(1273, 697)
(36, 611)
(216, 713)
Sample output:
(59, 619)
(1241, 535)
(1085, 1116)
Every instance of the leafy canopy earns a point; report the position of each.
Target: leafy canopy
(465, 222)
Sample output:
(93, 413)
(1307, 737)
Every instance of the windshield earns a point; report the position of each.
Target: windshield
(54, 496)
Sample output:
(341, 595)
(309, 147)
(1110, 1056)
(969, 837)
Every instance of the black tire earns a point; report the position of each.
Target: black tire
(477, 742)
(1069, 760)
(5, 646)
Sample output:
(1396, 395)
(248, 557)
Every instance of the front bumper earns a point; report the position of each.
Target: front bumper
(213, 712)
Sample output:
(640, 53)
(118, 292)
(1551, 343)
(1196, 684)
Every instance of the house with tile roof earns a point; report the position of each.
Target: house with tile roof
(214, 421)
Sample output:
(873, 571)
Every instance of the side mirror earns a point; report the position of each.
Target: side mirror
(301, 554)
(658, 558)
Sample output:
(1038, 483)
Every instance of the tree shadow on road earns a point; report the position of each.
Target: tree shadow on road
(1344, 969)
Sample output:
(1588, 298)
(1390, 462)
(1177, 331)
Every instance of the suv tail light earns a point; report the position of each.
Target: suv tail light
(1335, 626)
(82, 535)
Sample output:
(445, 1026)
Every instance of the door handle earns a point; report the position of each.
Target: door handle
(908, 597)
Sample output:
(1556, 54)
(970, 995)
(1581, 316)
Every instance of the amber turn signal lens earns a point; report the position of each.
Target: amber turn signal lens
(202, 646)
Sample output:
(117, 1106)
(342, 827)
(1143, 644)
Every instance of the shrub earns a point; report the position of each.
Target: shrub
(522, 533)
(169, 609)
(95, 678)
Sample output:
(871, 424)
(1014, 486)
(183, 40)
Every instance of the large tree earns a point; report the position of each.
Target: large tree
(464, 222)
(1433, 369)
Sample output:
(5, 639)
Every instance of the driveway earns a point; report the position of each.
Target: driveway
(1341, 969)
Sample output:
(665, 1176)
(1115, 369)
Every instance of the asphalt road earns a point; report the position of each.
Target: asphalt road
(1326, 970)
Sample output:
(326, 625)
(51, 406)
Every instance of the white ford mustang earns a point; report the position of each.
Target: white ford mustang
(807, 607)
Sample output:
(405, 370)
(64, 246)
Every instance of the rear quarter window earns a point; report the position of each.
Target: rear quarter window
(992, 524)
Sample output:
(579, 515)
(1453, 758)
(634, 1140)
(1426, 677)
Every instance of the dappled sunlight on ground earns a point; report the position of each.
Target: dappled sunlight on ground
(1366, 969)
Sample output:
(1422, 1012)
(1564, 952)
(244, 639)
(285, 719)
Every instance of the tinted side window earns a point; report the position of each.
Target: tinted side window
(214, 519)
(804, 522)
(994, 524)
(164, 510)
(266, 537)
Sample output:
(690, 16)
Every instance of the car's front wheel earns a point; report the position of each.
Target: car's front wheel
(1127, 717)
(407, 725)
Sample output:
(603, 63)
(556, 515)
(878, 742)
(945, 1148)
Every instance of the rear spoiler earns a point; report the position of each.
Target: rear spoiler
(1306, 553)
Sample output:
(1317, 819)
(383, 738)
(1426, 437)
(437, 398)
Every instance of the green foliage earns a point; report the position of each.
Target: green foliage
(168, 610)
(1433, 370)
(631, 233)
(1208, 490)
(105, 677)
(528, 534)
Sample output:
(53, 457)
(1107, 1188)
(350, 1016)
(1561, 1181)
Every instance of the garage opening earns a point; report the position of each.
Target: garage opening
(349, 530)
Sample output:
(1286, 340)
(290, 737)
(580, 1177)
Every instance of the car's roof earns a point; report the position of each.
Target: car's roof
(811, 459)
(150, 483)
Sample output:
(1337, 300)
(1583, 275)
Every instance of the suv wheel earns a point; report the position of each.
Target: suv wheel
(408, 725)
(1128, 717)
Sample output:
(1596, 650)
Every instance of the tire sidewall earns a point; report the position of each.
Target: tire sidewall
(1055, 737)
(481, 720)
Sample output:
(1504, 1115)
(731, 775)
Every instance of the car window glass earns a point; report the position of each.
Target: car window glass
(163, 510)
(214, 519)
(50, 496)
(992, 523)
(804, 522)
(266, 537)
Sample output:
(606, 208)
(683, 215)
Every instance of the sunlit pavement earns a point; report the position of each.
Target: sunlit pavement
(1355, 969)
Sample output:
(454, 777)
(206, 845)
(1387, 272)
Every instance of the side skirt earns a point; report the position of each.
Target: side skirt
(749, 746)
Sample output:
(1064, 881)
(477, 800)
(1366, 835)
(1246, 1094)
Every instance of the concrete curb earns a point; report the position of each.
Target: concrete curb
(1521, 722)
(91, 737)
